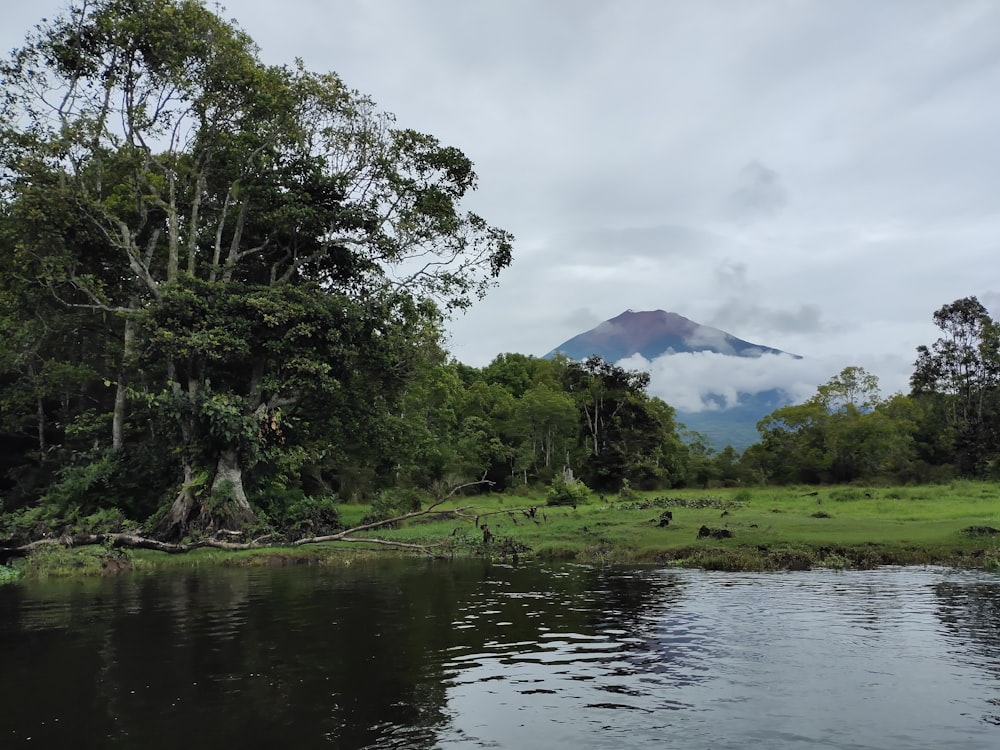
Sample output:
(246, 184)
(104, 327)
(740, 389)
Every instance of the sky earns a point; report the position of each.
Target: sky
(813, 176)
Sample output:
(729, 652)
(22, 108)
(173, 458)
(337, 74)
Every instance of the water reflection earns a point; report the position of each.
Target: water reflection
(970, 613)
(415, 654)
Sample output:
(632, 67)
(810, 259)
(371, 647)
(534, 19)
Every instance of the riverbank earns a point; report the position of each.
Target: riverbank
(733, 529)
(957, 524)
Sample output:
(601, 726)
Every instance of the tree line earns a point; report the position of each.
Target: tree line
(947, 426)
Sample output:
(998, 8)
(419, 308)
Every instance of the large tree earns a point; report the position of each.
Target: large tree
(961, 372)
(263, 237)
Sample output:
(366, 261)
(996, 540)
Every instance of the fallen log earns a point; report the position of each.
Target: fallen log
(136, 541)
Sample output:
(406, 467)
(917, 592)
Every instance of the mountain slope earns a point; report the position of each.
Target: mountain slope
(656, 333)
(652, 334)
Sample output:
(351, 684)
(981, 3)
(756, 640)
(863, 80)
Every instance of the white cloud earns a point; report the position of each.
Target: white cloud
(687, 380)
(852, 142)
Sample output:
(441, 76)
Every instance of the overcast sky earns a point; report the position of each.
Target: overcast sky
(814, 176)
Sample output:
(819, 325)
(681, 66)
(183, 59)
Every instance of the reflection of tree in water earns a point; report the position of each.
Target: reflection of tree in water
(970, 613)
(360, 657)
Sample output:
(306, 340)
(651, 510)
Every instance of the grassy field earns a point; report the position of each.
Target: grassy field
(748, 529)
(778, 528)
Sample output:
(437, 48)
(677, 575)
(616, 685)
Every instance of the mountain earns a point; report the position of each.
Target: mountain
(657, 333)
(652, 334)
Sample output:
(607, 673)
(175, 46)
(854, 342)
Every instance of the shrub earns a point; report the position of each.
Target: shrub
(392, 503)
(295, 515)
(104, 521)
(28, 524)
(626, 493)
(561, 492)
(8, 575)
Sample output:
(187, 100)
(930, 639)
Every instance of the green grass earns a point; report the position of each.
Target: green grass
(773, 529)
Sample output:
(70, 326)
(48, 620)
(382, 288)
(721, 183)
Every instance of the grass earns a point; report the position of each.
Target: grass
(772, 529)
(775, 528)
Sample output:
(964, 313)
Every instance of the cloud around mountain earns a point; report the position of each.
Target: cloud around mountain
(719, 384)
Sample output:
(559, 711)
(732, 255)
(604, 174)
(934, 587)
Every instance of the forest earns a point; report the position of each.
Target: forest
(223, 300)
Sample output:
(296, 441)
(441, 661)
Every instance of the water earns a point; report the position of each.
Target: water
(415, 654)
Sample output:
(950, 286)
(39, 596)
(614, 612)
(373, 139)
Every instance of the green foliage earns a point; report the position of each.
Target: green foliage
(55, 561)
(844, 433)
(27, 524)
(959, 378)
(393, 503)
(260, 292)
(83, 485)
(295, 515)
(626, 493)
(561, 492)
(103, 521)
(9, 575)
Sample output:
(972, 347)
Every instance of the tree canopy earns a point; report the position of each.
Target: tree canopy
(246, 253)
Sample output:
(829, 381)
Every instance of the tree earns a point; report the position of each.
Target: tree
(961, 370)
(624, 430)
(852, 390)
(843, 433)
(262, 236)
(546, 421)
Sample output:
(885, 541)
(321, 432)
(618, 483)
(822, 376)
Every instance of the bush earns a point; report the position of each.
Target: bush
(561, 492)
(28, 524)
(392, 503)
(626, 493)
(297, 515)
(104, 521)
(8, 575)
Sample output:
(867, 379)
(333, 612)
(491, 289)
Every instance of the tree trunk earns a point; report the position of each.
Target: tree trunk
(175, 523)
(121, 391)
(228, 483)
(224, 507)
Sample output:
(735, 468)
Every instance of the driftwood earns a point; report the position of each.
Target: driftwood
(136, 541)
(133, 541)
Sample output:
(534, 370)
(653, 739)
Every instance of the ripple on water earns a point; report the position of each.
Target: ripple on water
(848, 660)
(466, 655)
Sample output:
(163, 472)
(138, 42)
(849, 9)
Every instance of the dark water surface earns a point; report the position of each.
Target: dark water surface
(415, 654)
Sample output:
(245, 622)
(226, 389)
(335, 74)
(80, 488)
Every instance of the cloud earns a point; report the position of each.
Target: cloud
(581, 318)
(604, 245)
(711, 337)
(743, 312)
(686, 380)
(691, 382)
(759, 193)
(817, 177)
(751, 316)
(991, 301)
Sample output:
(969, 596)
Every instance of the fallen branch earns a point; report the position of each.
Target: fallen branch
(135, 541)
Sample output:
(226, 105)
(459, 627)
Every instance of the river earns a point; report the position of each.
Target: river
(467, 654)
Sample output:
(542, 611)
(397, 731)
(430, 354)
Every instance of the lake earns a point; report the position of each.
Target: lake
(468, 654)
